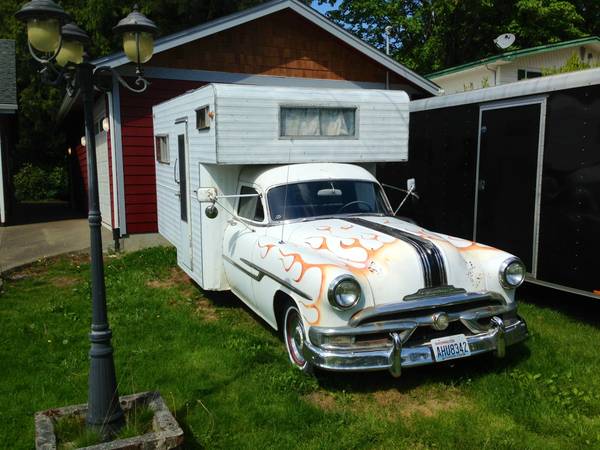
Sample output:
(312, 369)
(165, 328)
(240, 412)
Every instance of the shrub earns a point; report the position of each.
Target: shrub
(35, 183)
(573, 64)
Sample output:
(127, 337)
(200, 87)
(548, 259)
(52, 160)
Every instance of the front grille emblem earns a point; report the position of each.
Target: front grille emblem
(440, 321)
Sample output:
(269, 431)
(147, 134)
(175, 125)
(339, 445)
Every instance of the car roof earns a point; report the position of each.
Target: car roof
(268, 176)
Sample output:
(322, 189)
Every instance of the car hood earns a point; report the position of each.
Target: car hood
(394, 257)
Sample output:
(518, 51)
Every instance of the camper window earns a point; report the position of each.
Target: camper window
(250, 207)
(202, 119)
(161, 143)
(317, 122)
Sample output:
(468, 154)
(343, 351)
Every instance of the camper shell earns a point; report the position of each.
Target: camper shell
(204, 137)
(517, 167)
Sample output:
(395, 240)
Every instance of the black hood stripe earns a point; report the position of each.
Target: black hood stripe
(431, 258)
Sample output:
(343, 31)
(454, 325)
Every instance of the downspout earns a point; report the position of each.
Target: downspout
(118, 180)
(113, 168)
(494, 72)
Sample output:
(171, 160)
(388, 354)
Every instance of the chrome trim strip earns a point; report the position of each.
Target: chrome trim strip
(276, 278)
(468, 317)
(426, 303)
(257, 277)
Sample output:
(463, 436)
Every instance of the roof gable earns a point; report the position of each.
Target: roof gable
(234, 20)
(508, 56)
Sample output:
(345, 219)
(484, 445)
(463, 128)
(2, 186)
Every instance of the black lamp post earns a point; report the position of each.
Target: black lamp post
(61, 52)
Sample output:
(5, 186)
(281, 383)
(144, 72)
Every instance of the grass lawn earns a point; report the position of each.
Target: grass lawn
(226, 375)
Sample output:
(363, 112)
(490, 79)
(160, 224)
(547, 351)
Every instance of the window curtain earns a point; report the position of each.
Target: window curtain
(337, 122)
(300, 122)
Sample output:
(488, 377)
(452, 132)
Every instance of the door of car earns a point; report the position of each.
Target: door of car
(508, 177)
(181, 174)
(241, 242)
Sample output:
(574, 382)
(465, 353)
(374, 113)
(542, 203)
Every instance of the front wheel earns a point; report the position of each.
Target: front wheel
(294, 336)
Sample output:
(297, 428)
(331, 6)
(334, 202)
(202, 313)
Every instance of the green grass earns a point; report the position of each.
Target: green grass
(226, 376)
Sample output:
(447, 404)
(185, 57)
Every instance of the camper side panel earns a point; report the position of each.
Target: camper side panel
(200, 143)
(248, 126)
(167, 189)
(209, 245)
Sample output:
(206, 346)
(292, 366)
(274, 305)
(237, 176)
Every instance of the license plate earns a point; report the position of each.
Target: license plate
(450, 347)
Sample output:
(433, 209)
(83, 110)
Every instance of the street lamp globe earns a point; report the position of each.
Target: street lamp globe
(74, 40)
(138, 36)
(43, 18)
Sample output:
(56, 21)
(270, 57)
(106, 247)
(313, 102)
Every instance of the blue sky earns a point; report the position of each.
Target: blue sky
(322, 8)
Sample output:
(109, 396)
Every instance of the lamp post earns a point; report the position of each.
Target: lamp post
(59, 46)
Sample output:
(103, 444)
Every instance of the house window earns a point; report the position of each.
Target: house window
(202, 118)
(250, 207)
(161, 144)
(523, 74)
(317, 122)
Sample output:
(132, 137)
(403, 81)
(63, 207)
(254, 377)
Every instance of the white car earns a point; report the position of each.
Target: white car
(316, 251)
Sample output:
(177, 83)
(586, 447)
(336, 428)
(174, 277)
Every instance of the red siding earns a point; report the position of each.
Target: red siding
(138, 151)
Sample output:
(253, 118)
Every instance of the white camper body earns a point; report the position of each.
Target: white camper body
(203, 138)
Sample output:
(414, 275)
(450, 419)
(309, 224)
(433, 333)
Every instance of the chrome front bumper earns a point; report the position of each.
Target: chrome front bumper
(398, 352)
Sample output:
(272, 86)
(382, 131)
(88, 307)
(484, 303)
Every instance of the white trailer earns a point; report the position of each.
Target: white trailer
(205, 137)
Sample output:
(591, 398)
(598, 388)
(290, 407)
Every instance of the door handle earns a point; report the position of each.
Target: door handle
(177, 194)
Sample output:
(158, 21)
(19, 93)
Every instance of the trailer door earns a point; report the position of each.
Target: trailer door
(509, 177)
(182, 170)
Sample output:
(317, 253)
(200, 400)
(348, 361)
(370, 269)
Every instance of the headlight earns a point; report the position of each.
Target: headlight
(512, 273)
(344, 292)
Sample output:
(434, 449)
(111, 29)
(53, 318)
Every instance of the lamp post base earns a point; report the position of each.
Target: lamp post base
(165, 434)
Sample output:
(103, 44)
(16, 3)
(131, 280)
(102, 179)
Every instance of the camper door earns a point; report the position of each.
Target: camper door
(182, 171)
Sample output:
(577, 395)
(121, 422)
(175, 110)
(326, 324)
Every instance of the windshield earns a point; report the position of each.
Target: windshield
(325, 198)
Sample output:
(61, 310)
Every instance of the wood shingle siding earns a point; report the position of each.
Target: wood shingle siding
(282, 44)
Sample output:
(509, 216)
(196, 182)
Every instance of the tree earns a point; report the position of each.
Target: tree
(40, 140)
(434, 34)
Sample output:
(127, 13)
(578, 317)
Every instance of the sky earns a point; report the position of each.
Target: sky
(324, 7)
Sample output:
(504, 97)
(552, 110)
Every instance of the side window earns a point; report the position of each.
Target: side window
(161, 144)
(250, 207)
(320, 122)
(202, 118)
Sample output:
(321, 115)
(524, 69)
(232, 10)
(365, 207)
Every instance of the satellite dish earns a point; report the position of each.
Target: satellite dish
(505, 40)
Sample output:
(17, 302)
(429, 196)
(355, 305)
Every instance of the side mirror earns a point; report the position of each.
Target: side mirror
(207, 195)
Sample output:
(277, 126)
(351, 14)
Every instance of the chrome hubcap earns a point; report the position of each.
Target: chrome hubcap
(295, 338)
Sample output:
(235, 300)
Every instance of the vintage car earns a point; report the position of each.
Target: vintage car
(316, 251)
